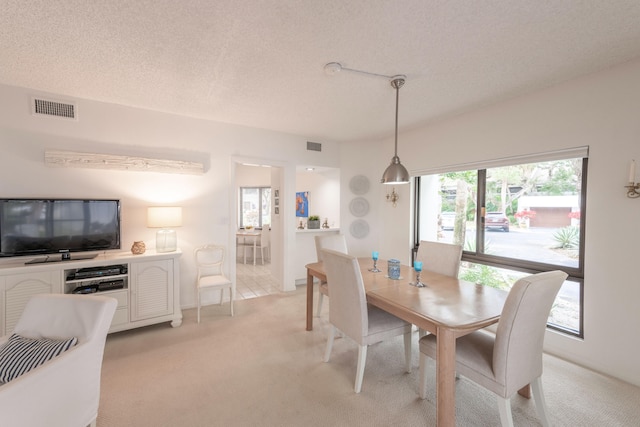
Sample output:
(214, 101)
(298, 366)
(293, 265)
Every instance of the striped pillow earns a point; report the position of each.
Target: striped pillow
(20, 354)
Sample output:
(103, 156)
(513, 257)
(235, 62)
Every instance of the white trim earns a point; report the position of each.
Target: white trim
(567, 153)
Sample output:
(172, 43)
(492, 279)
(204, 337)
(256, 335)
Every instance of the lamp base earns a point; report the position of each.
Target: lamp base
(166, 240)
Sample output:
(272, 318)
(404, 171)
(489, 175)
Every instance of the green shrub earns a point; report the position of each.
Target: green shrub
(485, 275)
(567, 237)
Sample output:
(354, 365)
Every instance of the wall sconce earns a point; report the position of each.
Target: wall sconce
(633, 187)
(164, 217)
(393, 197)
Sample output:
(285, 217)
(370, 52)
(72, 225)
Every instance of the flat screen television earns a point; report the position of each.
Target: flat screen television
(58, 226)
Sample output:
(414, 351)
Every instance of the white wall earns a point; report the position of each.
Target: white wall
(601, 111)
(324, 194)
(208, 200)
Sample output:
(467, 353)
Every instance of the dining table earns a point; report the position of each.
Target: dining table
(446, 306)
(249, 237)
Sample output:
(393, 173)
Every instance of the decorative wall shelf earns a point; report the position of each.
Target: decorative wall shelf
(71, 159)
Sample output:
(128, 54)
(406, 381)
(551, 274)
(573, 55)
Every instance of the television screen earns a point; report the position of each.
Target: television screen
(47, 226)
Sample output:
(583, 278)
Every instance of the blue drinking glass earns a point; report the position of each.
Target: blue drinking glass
(417, 266)
(374, 256)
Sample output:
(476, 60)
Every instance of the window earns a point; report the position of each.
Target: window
(513, 218)
(255, 206)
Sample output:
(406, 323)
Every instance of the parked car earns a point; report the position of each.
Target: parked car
(447, 220)
(496, 220)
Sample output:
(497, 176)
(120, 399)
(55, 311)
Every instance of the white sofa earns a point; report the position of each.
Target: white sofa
(65, 391)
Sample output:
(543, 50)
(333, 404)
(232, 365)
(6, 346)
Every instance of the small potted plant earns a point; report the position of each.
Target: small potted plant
(313, 222)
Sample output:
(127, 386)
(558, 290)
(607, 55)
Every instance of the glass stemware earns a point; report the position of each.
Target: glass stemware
(417, 266)
(374, 256)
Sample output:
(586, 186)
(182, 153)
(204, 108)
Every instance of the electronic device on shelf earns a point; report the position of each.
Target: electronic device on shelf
(110, 285)
(92, 272)
(107, 285)
(86, 289)
(62, 227)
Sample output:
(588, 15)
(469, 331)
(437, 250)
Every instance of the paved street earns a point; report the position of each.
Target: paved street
(532, 244)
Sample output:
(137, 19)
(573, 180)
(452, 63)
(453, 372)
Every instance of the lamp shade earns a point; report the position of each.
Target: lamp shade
(164, 216)
(395, 173)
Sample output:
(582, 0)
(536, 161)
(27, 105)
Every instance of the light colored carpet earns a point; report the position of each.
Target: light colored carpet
(261, 368)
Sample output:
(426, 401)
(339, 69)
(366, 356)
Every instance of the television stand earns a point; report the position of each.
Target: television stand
(63, 257)
(146, 286)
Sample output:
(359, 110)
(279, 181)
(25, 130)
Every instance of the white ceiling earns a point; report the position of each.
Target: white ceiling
(260, 63)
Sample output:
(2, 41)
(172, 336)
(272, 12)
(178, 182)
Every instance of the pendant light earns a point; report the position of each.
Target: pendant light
(395, 172)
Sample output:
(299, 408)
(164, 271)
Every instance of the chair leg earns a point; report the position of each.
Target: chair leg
(221, 295)
(541, 405)
(407, 351)
(320, 297)
(362, 360)
(327, 351)
(423, 376)
(198, 297)
(504, 406)
(233, 294)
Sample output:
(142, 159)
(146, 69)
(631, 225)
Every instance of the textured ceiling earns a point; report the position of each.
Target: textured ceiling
(260, 63)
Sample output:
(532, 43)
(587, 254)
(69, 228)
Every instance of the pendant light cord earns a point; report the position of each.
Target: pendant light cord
(397, 83)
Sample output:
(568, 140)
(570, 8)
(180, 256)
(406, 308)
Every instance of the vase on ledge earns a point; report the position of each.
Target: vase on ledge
(313, 225)
(138, 248)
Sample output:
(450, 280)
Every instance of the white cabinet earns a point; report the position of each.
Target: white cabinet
(17, 290)
(147, 287)
(151, 290)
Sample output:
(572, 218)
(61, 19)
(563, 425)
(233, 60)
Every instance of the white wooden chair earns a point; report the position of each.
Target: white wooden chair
(211, 277)
(264, 243)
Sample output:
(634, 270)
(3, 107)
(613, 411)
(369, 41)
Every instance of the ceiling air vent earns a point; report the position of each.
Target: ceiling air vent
(47, 107)
(314, 146)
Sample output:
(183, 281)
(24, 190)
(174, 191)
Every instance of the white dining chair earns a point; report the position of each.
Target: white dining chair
(512, 359)
(439, 257)
(336, 242)
(211, 277)
(264, 243)
(350, 314)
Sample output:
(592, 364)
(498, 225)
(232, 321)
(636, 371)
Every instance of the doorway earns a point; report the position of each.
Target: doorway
(255, 212)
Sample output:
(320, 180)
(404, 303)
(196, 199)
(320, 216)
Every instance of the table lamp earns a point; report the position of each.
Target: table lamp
(164, 217)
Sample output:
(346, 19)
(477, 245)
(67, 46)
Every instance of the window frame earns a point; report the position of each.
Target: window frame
(576, 274)
(260, 190)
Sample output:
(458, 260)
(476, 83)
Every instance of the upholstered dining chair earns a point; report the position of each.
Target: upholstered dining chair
(439, 257)
(336, 242)
(350, 314)
(211, 277)
(443, 258)
(512, 359)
